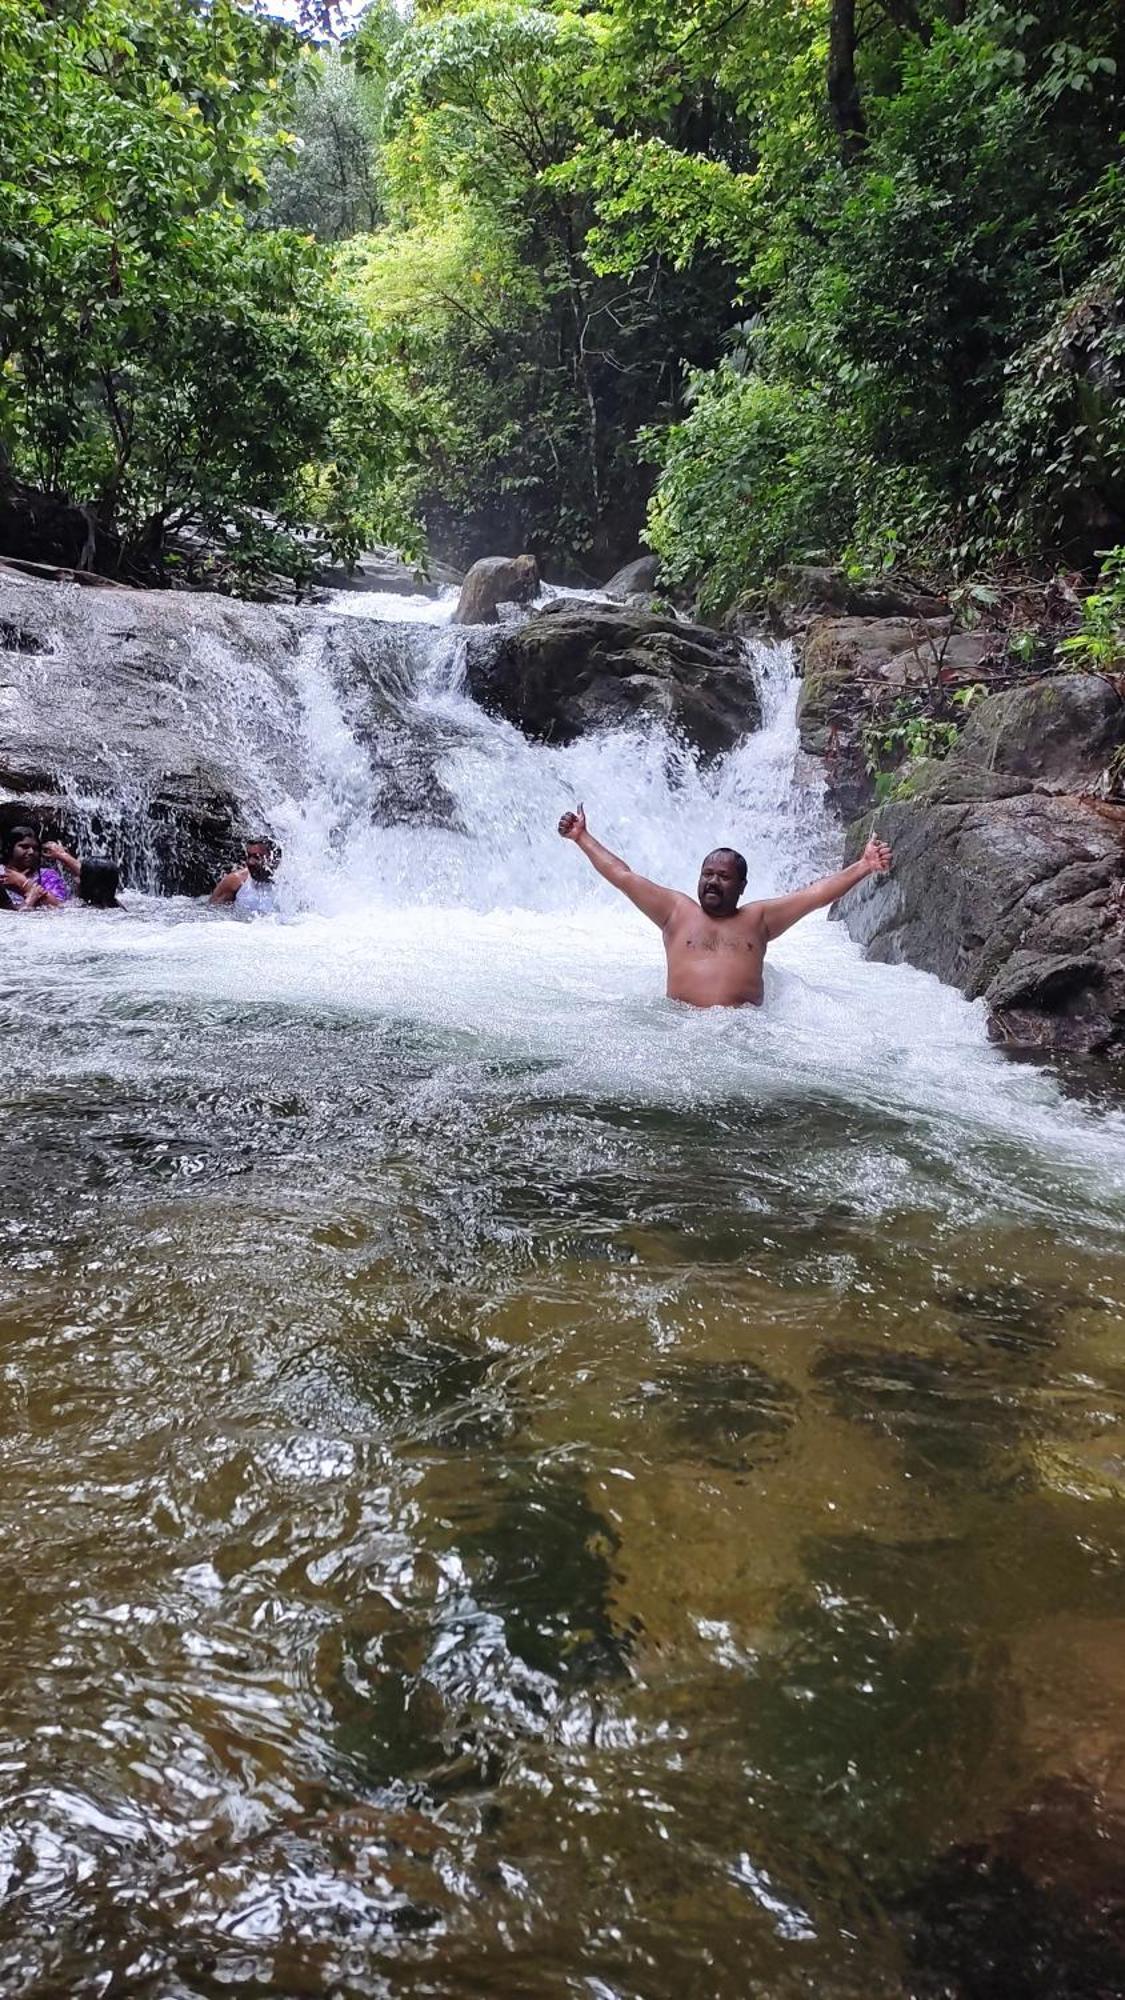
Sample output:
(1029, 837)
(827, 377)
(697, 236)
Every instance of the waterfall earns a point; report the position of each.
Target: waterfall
(386, 784)
(347, 733)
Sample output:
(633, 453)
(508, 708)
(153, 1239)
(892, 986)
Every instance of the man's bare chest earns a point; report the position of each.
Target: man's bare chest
(706, 937)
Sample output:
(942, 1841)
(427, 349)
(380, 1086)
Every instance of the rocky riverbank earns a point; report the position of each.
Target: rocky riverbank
(1009, 878)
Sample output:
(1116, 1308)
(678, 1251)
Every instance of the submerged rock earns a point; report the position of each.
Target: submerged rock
(1009, 869)
(725, 1413)
(1031, 1911)
(577, 666)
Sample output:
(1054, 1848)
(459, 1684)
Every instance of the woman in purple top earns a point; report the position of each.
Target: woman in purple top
(25, 882)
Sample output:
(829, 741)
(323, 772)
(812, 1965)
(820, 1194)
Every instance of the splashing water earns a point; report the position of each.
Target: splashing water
(485, 924)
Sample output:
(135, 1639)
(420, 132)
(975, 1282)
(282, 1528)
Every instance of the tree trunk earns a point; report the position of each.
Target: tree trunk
(843, 90)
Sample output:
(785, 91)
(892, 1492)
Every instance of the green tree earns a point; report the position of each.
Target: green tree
(163, 365)
(902, 212)
(536, 368)
(328, 180)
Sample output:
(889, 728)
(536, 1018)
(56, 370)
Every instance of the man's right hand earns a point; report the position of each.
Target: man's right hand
(573, 825)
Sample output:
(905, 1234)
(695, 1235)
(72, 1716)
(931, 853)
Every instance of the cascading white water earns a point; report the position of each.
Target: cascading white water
(644, 793)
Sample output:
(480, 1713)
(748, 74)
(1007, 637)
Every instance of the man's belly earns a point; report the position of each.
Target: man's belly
(711, 985)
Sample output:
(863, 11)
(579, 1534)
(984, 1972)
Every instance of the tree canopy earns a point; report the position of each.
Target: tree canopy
(165, 365)
(750, 278)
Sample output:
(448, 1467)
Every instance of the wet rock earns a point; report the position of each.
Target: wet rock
(161, 724)
(574, 667)
(381, 569)
(410, 793)
(493, 581)
(1005, 886)
(636, 579)
(1042, 979)
(1093, 1468)
(105, 729)
(807, 590)
(848, 664)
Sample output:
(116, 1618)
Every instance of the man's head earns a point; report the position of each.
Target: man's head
(261, 859)
(722, 879)
(97, 882)
(21, 849)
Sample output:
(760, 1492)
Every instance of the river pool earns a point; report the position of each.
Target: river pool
(514, 1488)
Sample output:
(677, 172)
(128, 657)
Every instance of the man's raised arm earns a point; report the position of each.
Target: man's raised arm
(656, 902)
(780, 912)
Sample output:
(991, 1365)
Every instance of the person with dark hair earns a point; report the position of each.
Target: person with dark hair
(250, 886)
(98, 880)
(715, 951)
(25, 882)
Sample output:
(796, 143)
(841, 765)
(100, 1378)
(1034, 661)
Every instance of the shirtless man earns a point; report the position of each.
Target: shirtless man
(715, 951)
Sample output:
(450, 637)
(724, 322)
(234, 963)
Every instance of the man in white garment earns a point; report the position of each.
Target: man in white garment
(250, 887)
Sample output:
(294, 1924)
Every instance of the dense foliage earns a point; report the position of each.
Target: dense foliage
(936, 371)
(759, 281)
(851, 281)
(535, 370)
(165, 366)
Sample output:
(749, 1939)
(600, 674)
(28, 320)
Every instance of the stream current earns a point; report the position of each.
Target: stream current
(513, 1487)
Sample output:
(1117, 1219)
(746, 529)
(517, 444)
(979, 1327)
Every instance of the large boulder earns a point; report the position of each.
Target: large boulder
(574, 667)
(810, 590)
(493, 581)
(635, 579)
(1009, 869)
(1059, 735)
